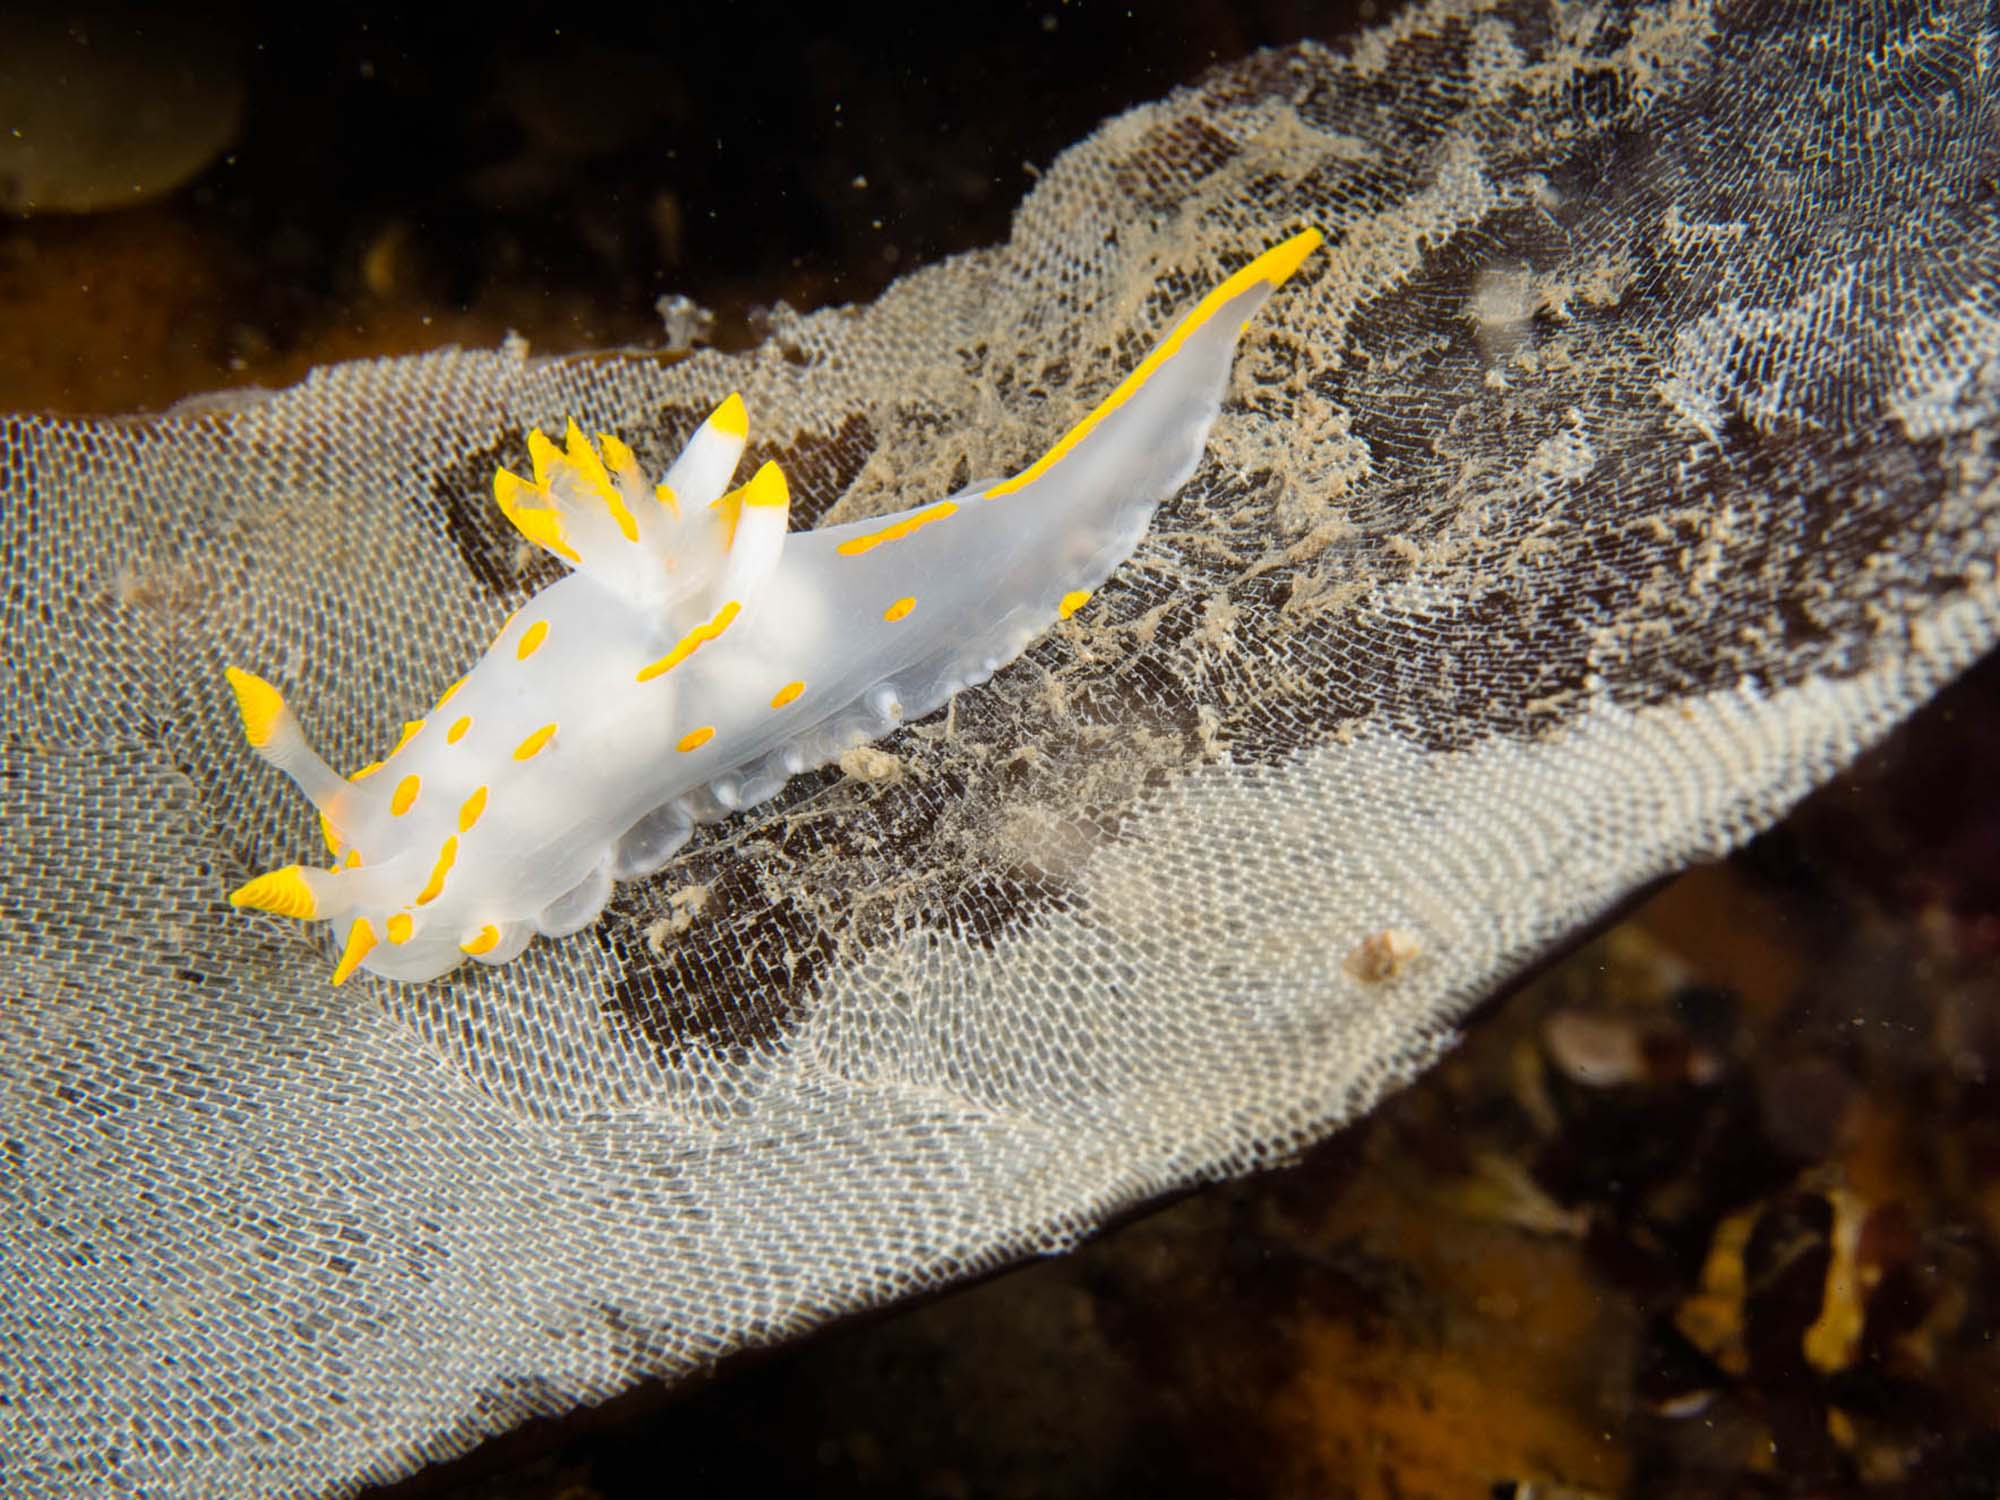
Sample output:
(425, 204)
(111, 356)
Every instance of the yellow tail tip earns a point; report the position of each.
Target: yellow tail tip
(767, 487)
(260, 704)
(732, 417)
(360, 942)
(1277, 264)
(283, 893)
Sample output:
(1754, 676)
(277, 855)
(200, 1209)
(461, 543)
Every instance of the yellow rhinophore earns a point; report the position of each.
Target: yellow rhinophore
(281, 892)
(260, 704)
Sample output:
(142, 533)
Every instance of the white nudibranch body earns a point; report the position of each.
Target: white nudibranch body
(696, 656)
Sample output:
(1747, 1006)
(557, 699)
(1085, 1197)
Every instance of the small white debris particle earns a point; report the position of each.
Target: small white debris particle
(866, 763)
(1381, 955)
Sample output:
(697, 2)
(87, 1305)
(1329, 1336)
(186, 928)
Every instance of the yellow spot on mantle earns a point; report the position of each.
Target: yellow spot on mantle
(282, 892)
(411, 729)
(360, 943)
(484, 941)
(531, 640)
(692, 642)
(458, 728)
(899, 609)
(405, 794)
(400, 927)
(694, 739)
(1273, 266)
(451, 692)
(1073, 601)
(434, 887)
(529, 748)
(470, 810)
(787, 693)
(855, 546)
(260, 704)
(368, 770)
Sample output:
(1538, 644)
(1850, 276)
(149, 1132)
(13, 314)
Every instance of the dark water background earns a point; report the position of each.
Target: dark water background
(1711, 1209)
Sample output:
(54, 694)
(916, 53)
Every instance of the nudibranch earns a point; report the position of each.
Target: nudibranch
(695, 656)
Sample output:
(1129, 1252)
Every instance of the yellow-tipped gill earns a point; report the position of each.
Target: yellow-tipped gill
(260, 704)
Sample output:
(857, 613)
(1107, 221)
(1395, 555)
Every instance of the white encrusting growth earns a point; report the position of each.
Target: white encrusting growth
(697, 656)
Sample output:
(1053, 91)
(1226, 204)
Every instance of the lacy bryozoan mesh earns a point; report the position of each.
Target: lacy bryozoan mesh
(1624, 465)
